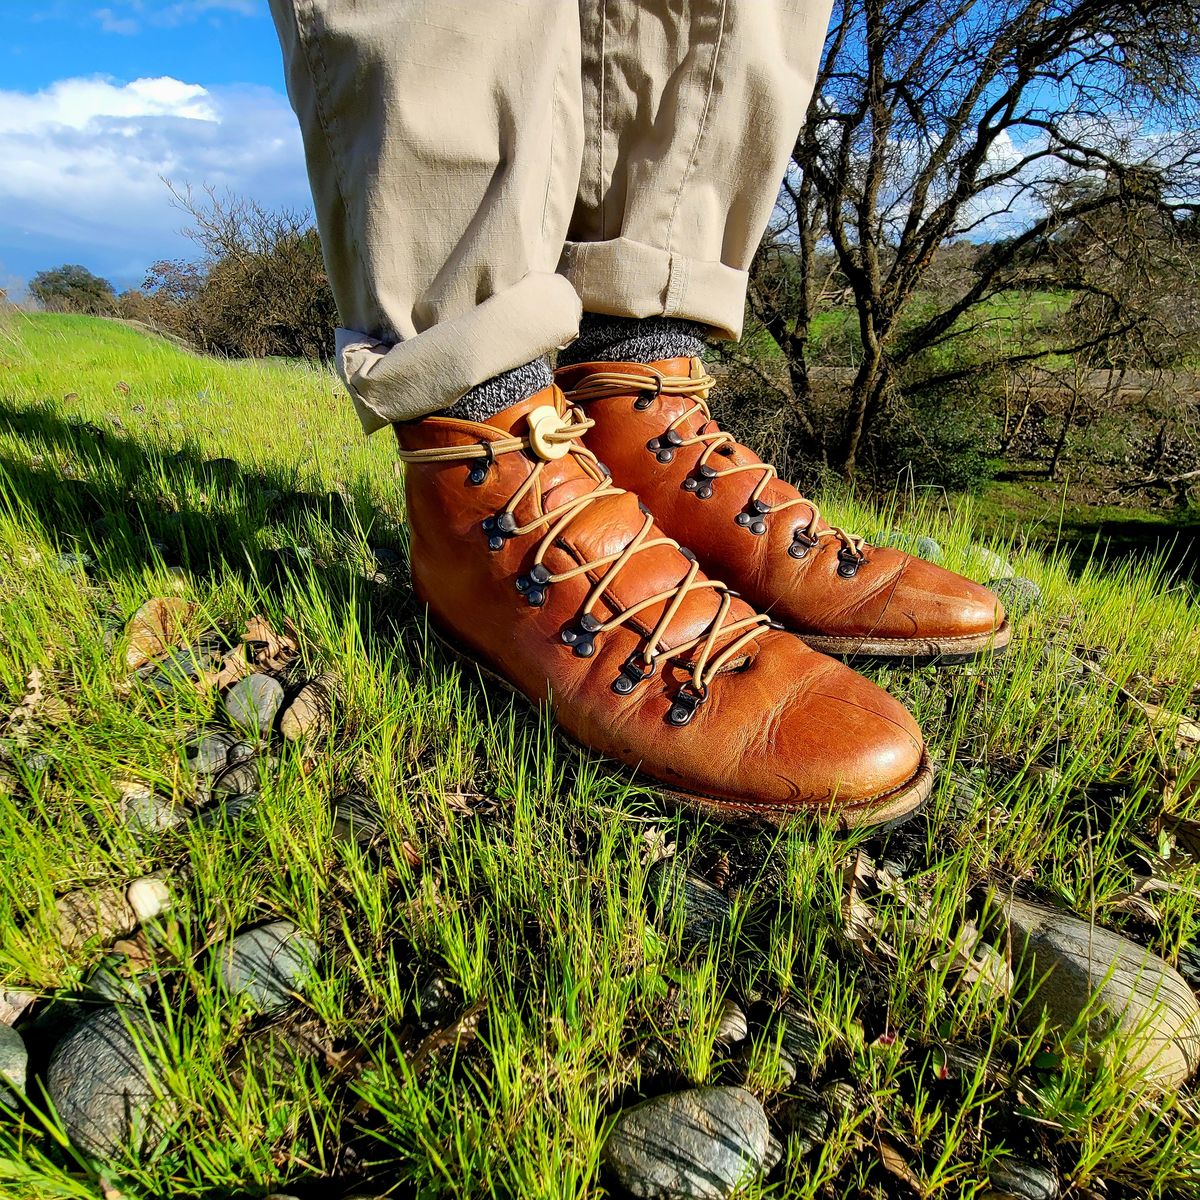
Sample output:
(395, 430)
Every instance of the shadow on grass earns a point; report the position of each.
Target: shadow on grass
(1176, 545)
(128, 506)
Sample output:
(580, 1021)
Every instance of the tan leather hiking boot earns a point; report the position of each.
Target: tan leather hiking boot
(535, 565)
(653, 430)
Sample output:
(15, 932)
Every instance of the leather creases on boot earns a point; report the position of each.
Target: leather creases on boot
(537, 566)
(651, 424)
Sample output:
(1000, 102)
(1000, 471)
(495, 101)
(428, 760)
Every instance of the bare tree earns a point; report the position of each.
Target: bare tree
(937, 120)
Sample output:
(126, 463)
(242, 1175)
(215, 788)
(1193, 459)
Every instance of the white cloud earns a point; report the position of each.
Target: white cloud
(84, 162)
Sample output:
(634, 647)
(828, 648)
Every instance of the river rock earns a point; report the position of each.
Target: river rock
(918, 544)
(228, 809)
(805, 1120)
(239, 779)
(1020, 596)
(269, 965)
(251, 704)
(706, 909)
(1140, 994)
(983, 563)
(310, 711)
(14, 1064)
(354, 818)
(732, 1026)
(98, 1083)
(1015, 1179)
(208, 753)
(143, 811)
(110, 982)
(700, 1145)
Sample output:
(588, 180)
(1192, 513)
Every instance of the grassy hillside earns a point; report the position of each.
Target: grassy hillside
(500, 969)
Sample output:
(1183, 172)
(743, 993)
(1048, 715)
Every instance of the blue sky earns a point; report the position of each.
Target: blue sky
(99, 100)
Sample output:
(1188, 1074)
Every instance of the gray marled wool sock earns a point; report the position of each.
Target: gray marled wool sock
(634, 339)
(502, 391)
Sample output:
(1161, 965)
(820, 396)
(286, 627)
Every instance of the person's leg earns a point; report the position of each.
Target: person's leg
(443, 147)
(440, 139)
(691, 112)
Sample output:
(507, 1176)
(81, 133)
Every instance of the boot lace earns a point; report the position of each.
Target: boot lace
(652, 384)
(550, 437)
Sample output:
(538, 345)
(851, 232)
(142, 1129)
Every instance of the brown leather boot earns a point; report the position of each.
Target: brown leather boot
(654, 431)
(536, 566)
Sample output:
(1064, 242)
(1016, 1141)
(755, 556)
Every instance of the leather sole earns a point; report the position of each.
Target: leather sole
(882, 813)
(938, 652)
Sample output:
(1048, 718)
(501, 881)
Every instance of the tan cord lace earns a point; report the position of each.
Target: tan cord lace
(567, 431)
(602, 384)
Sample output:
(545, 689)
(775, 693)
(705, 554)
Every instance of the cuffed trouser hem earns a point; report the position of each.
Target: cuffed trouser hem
(414, 378)
(624, 278)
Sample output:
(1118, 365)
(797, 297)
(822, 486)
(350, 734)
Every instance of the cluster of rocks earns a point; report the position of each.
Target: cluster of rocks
(104, 1073)
(708, 1142)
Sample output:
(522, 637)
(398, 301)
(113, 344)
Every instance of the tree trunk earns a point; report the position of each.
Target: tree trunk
(866, 393)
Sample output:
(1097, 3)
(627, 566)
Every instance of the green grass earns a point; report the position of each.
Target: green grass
(531, 892)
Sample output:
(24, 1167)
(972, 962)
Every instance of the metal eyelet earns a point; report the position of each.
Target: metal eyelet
(752, 517)
(633, 671)
(535, 585)
(663, 453)
(646, 399)
(801, 543)
(497, 528)
(478, 472)
(583, 638)
(687, 700)
(849, 562)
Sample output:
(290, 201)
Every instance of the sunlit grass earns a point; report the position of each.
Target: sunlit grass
(512, 865)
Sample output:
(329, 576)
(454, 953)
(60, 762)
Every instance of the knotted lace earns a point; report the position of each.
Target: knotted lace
(566, 431)
(603, 384)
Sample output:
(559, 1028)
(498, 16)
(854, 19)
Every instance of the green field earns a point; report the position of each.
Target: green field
(517, 871)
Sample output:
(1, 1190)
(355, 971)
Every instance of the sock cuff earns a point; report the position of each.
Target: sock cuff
(502, 391)
(634, 339)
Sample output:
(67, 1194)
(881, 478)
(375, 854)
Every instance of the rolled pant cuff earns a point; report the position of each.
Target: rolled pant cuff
(624, 278)
(430, 371)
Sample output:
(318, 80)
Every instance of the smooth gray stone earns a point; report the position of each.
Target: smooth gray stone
(180, 665)
(732, 1027)
(207, 754)
(145, 812)
(1020, 596)
(97, 1080)
(800, 1038)
(230, 807)
(107, 983)
(75, 560)
(918, 544)
(252, 703)
(699, 1145)
(354, 819)
(268, 965)
(1015, 1179)
(436, 1002)
(240, 779)
(989, 564)
(14, 1064)
(240, 751)
(805, 1120)
(1070, 964)
(706, 909)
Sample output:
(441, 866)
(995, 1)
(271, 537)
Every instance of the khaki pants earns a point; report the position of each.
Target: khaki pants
(482, 168)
